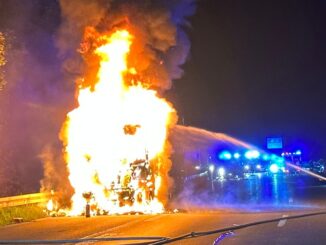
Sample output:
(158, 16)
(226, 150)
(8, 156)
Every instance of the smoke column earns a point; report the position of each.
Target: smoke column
(41, 43)
(161, 43)
(159, 49)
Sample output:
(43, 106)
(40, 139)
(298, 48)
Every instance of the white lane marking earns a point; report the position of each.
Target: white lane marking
(112, 230)
(109, 233)
(156, 217)
(282, 222)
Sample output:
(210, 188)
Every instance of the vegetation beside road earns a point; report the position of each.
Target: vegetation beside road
(26, 213)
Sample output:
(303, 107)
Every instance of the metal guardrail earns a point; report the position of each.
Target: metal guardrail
(26, 199)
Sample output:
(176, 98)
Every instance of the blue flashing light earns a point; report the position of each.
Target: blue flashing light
(252, 154)
(248, 154)
(236, 155)
(221, 172)
(255, 154)
(225, 155)
(266, 157)
(247, 167)
(279, 160)
(274, 157)
(274, 168)
(298, 152)
(258, 166)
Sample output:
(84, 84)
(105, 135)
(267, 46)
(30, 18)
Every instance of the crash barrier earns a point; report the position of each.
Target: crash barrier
(34, 198)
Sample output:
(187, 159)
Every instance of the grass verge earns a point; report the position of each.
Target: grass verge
(27, 213)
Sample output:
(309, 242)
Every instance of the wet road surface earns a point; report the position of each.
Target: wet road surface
(309, 230)
(236, 203)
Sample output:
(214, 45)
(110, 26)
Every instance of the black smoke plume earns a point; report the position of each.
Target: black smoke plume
(42, 39)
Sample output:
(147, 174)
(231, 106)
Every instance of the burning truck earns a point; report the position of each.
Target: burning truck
(123, 56)
(115, 141)
(136, 186)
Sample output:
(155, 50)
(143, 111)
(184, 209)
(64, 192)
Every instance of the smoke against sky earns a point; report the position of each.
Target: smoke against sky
(161, 43)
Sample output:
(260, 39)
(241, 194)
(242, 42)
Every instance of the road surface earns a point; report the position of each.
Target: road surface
(234, 203)
(309, 230)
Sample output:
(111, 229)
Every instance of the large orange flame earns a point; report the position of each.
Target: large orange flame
(116, 133)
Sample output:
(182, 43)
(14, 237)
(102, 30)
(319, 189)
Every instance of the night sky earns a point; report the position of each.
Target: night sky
(257, 69)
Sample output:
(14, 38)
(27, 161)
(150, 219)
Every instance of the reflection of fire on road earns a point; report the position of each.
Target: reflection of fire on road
(115, 140)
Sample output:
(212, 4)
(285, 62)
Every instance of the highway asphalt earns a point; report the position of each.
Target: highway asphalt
(309, 230)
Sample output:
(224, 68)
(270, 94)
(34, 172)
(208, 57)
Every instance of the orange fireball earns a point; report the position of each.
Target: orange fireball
(116, 138)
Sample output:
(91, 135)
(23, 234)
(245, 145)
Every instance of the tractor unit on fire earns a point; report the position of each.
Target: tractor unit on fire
(137, 184)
